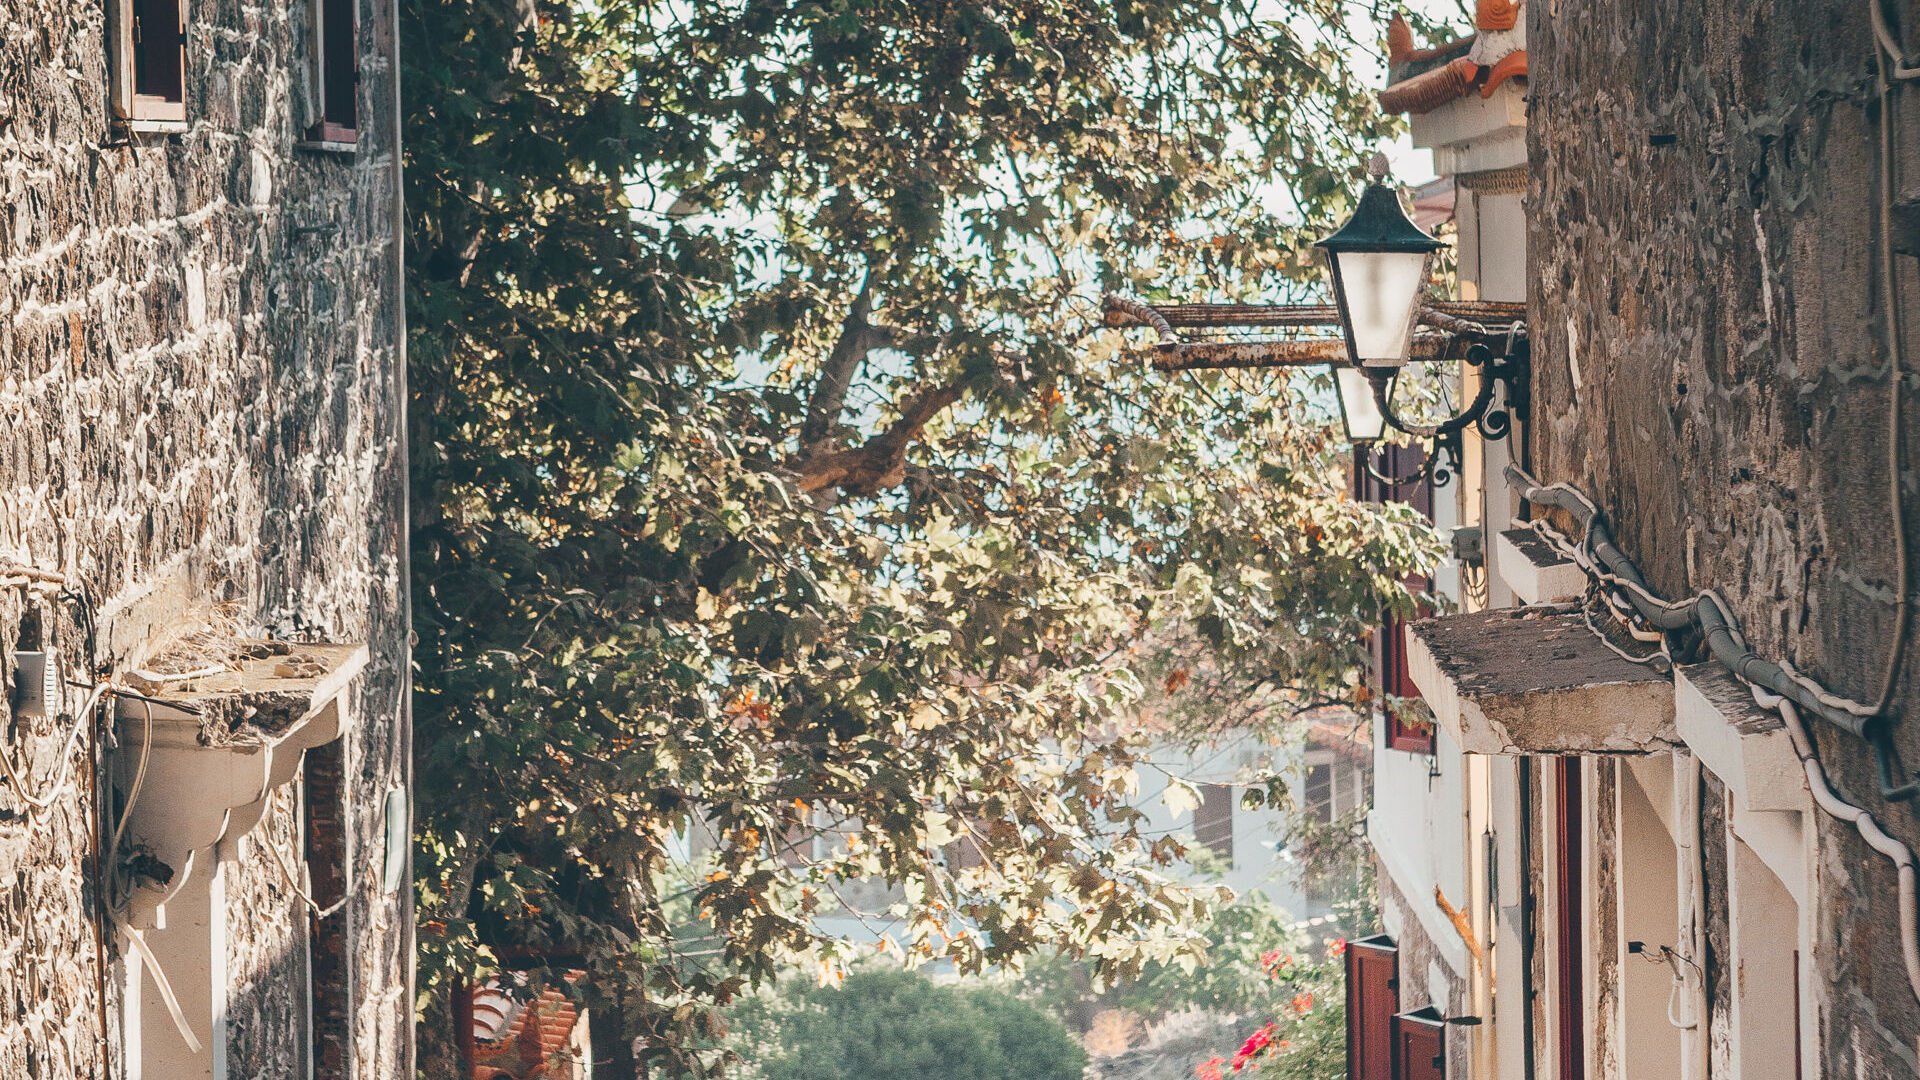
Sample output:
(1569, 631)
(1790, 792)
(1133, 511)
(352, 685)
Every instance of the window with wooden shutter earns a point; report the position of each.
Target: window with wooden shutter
(147, 61)
(1388, 649)
(1419, 1045)
(336, 72)
(1373, 997)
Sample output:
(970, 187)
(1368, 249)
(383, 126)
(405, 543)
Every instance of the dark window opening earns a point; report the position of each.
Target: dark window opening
(324, 806)
(337, 71)
(1569, 918)
(1213, 820)
(150, 59)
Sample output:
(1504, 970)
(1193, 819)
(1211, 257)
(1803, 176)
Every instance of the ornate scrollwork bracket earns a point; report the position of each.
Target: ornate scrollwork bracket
(1506, 371)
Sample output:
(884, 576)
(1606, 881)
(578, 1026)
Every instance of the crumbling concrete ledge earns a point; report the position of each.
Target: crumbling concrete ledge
(1537, 681)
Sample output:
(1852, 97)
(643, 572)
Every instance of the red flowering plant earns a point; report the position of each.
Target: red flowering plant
(1304, 1034)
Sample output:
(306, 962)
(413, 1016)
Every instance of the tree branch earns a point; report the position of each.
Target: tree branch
(880, 462)
(836, 375)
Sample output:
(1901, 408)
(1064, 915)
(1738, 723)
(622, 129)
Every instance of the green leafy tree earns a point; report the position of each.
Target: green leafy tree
(889, 1024)
(1231, 977)
(772, 471)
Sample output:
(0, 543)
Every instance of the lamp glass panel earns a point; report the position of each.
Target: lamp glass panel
(1357, 407)
(1381, 290)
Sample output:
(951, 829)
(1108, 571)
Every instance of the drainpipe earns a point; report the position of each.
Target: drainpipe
(405, 901)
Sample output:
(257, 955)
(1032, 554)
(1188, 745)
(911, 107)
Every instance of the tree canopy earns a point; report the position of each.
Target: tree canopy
(888, 1024)
(772, 472)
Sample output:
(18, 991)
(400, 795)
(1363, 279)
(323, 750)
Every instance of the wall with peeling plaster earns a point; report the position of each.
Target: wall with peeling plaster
(200, 417)
(1710, 365)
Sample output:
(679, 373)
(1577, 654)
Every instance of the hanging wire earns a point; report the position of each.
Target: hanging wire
(62, 781)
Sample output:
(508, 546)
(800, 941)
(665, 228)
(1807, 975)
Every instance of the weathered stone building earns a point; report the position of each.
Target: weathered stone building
(1644, 849)
(202, 476)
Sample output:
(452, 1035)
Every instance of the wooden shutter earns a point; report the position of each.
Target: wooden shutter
(1419, 1046)
(1373, 996)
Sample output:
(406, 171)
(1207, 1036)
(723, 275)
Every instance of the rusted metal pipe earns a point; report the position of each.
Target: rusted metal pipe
(1304, 352)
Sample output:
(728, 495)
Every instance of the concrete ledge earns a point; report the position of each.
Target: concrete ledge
(1533, 570)
(1746, 746)
(1528, 681)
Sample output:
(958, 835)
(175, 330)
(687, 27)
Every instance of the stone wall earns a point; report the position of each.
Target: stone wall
(1425, 978)
(1710, 363)
(200, 419)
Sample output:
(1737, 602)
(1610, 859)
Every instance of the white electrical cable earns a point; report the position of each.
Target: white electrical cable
(312, 904)
(133, 789)
(1828, 800)
(160, 982)
(1893, 70)
(58, 787)
(1897, 67)
(1582, 557)
(1817, 784)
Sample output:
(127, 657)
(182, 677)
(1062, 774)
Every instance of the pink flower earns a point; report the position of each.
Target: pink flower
(1336, 947)
(1210, 1068)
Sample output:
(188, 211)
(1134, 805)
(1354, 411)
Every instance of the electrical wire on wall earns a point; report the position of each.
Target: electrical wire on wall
(1894, 73)
(1774, 686)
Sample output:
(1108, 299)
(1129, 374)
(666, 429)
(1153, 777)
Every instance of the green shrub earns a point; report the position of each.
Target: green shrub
(889, 1024)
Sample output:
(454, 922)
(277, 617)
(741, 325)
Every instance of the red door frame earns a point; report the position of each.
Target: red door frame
(1569, 909)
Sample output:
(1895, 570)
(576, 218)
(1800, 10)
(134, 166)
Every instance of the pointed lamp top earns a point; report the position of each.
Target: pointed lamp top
(1379, 224)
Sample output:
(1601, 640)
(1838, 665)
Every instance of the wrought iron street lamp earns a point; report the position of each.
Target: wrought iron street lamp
(1377, 266)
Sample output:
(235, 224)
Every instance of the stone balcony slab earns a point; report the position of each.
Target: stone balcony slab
(1537, 681)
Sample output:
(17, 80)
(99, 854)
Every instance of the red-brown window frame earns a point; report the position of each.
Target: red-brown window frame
(1373, 997)
(1389, 646)
(336, 71)
(140, 34)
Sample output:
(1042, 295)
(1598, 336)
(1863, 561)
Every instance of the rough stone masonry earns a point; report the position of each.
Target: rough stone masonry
(201, 418)
(1711, 365)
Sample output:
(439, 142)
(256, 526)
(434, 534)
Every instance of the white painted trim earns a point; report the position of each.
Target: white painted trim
(1418, 892)
(1460, 126)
